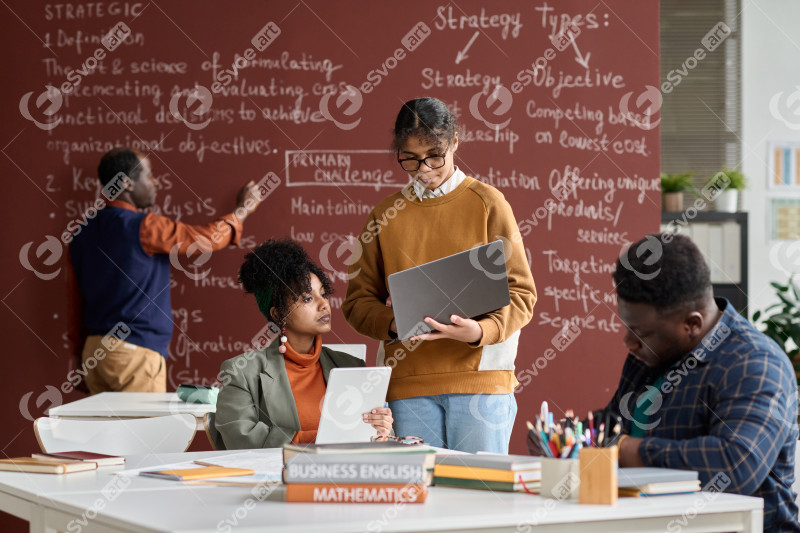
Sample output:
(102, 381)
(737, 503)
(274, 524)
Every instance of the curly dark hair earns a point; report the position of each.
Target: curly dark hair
(119, 159)
(664, 270)
(277, 273)
(426, 118)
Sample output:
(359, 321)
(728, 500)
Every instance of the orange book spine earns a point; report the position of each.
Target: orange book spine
(355, 493)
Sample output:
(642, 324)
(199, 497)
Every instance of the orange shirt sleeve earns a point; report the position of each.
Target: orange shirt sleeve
(305, 436)
(159, 234)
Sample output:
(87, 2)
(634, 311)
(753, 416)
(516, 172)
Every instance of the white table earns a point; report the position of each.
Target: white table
(150, 505)
(131, 405)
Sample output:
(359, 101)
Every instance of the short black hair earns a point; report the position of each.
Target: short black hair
(278, 272)
(427, 118)
(119, 159)
(664, 270)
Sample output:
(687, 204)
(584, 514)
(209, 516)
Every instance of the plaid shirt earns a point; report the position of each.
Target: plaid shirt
(728, 410)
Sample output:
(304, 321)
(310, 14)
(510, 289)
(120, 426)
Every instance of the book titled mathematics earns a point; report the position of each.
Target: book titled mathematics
(355, 493)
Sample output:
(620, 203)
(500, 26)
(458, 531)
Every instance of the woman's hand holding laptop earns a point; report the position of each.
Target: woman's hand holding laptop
(461, 329)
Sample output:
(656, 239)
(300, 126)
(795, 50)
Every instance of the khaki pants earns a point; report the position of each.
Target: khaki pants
(114, 365)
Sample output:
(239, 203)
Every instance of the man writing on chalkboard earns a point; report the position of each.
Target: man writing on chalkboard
(702, 389)
(121, 260)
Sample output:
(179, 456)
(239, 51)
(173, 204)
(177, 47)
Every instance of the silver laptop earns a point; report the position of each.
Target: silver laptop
(467, 284)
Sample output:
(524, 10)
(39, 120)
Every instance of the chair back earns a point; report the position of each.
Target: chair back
(356, 350)
(211, 432)
(135, 436)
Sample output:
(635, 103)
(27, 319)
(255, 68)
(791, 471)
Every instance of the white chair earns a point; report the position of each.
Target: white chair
(356, 350)
(214, 438)
(135, 436)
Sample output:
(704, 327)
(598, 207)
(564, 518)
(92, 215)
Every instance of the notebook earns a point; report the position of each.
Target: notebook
(205, 472)
(635, 477)
(99, 458)
(45, 465)
(351, 392)
(467, 284)
(492, 461)
(361, 448)
(652, 481)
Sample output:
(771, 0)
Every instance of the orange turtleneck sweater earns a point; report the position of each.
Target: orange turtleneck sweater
(308, 388)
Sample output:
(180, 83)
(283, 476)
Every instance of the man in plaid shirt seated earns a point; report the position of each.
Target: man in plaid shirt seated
(702, 389)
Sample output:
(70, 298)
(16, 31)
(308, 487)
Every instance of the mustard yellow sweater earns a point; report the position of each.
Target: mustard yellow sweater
(403, 232)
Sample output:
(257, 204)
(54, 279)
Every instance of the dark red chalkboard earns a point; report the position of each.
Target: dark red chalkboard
(545, 90)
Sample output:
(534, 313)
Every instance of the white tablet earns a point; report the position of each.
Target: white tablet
(350, 393)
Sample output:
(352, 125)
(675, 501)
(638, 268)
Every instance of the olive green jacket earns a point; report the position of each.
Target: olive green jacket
(256, 408)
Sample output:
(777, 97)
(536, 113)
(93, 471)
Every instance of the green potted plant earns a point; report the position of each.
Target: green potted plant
(672, 187)
(725, 186)
(783, 323)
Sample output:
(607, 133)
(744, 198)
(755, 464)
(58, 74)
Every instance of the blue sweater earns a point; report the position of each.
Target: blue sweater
(120, 282)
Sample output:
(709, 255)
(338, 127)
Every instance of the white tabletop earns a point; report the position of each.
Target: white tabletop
(131, 405)
(145, 504)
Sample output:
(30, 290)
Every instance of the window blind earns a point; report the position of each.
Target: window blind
(701, 109)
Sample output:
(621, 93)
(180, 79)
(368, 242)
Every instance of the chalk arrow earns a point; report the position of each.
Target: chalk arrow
(582, 61)
(462, 54)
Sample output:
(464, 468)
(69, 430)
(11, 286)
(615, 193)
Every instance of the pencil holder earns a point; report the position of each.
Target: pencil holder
(598, 474)
(560, 478)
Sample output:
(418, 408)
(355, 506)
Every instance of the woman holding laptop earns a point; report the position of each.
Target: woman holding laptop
(273, 396)
(454, 386)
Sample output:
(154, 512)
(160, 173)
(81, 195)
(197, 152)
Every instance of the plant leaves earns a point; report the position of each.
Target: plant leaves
(784, 325)
(795, 288)
(794, 331)
(785, 299)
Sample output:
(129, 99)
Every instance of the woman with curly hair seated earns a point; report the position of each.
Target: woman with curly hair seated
(273, 396)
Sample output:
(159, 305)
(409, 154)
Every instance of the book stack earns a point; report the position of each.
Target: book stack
(508, 473)
(652, 481)
(375, 472)
(60, 462)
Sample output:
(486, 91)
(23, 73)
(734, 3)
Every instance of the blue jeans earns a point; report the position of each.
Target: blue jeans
(466, 422)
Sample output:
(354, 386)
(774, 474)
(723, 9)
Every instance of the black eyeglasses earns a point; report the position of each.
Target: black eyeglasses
(411, 164)
(401, 440)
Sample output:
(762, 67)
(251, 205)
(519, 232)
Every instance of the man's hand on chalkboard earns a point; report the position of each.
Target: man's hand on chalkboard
(462, 329)
(247, 200)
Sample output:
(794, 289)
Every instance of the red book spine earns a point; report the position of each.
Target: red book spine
(355, 493)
